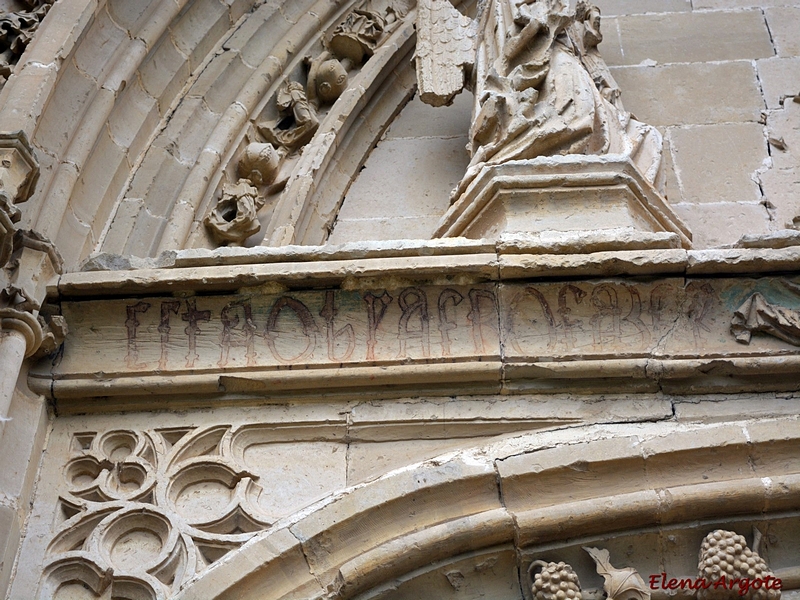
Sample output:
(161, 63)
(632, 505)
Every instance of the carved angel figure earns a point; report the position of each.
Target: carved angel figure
(540, 85)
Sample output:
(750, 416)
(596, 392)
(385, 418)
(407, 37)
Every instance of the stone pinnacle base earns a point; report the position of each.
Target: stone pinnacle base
(563, 193)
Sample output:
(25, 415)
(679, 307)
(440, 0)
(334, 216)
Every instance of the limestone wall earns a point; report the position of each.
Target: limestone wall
(711, 74)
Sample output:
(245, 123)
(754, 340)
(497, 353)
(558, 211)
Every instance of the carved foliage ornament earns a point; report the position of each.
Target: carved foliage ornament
(727, 568)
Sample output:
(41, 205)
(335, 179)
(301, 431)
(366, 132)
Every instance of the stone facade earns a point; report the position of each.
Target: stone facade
(271, 326)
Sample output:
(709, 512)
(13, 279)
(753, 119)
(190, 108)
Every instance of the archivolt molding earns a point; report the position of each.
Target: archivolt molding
(142, 503)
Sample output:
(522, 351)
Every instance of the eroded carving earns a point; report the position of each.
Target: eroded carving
(17, 30)
(235, 217)
(758, 315)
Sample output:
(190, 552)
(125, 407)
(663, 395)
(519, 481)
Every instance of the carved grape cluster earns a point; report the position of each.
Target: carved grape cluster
(556, 581)
(726, 554)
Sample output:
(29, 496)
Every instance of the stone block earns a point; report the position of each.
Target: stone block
(407, 178)
(143, 240)
(21, 445)
(418, 119)
(65, 109)
(187, 131)
(222, 80)
(158, 180)
(369, 460)
(695, 93)
(784, 23)
(164, 73)
(253, 38)
(71, 237)
(22, 101)
(632, 7)
(781, 182)
(673, 193)
(388, 228)
(719, 224)
(718, 163)
(199, 29)
(56, 38)
(9, 543)
(571, 473)
(100, 182)
(129, 15)
(302, 481)
(686, 458)
(692, 37)
(133, 118)
(709, 411)
(99, 45)
(732, 4)
(780, 77)
(122, 225)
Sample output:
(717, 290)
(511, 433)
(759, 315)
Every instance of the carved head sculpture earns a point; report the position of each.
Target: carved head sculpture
(331, 81)
(259, 164)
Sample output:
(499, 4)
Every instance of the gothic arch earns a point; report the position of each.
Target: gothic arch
(524, 493)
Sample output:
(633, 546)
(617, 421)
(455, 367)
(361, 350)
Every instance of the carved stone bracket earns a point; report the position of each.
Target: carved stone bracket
(562, 193)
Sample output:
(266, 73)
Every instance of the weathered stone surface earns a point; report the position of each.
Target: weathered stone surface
(781, 182)
(678, 94)
(718, 163)
(629, 7)
(684, 37)
(779, 77)
(784, 23)
(402, 418)
(717, 224)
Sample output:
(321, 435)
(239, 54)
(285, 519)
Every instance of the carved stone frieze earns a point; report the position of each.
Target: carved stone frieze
(235, 217)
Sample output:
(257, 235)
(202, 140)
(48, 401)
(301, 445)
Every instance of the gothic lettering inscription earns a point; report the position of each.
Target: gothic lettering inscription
(515, 322)
(293, 329)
